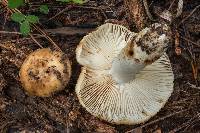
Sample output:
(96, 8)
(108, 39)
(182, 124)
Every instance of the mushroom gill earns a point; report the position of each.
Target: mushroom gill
(125, 89)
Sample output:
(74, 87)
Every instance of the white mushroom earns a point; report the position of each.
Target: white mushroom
(134, 83)
(97, 49)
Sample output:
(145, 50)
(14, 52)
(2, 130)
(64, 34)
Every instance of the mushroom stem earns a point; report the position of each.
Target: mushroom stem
(142, 50)
(124, 73)
(125, 67)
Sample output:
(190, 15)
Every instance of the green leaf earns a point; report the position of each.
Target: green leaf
(18, 17)
(32, 19)
(44, 9)
(78, 1)
(25, 28)
(15, 3)
(64, 0)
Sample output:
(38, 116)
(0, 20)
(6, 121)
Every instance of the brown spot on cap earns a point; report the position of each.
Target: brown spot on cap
(129, 50)
(137, 60)
(152, 59)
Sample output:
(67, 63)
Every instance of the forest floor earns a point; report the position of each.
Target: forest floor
(65, 25)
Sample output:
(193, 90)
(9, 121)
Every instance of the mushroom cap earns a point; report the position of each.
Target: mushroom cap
(130, 103)
(97, 49)
(44, 72)
(126, 77)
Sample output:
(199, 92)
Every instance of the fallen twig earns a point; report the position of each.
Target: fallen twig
(70, 30)
(183, 20)
(195, 121)
(36, 41)
(186, 124)
(160, 119)
(146, 7)
(193, 86)
(171, 5)
(10, 32)
(179, 8)
(196, 44)
(65, 9)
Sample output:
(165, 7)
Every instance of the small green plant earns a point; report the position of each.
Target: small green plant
(15, 3)
(24, 21)
(44, 9)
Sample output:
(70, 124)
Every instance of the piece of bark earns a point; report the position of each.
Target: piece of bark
(137, 13)
(70, 31)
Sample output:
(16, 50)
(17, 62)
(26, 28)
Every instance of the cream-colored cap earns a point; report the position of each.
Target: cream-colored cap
(134, 83)
(44, 72)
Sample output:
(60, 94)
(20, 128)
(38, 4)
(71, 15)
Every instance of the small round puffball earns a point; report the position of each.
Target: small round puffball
(44, 72)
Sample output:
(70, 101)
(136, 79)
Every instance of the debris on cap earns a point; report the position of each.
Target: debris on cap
(44, 72)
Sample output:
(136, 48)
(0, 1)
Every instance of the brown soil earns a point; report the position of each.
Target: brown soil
(62, 112)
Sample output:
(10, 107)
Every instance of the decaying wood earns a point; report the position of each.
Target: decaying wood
(70, 31)
(137, 13)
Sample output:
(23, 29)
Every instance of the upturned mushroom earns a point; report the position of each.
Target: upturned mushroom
(44, 72)
(126, 77)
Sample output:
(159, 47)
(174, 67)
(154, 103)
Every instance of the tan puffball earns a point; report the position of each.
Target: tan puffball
(44, 72)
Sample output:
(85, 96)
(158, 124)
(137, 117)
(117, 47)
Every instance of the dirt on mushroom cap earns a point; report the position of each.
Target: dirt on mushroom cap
(44, 72)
